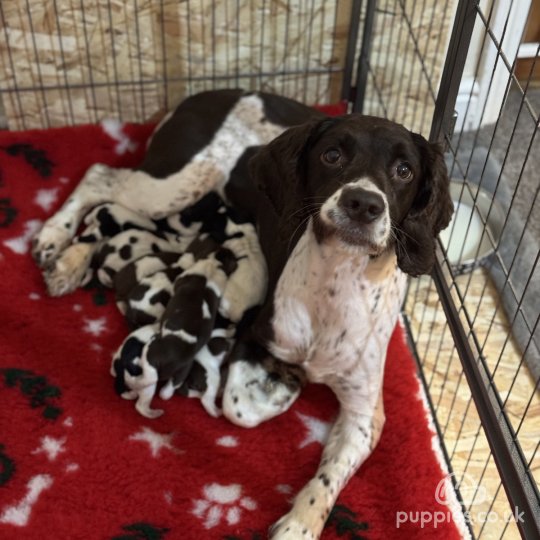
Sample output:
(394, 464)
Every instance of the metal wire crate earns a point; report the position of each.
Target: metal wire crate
(474, 324)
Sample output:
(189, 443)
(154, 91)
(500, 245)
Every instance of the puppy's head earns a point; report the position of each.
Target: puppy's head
(366, 181)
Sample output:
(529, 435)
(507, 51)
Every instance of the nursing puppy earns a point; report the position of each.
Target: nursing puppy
(350, 206)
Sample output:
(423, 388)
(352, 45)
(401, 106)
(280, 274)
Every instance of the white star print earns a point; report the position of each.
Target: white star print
(51, 447)
(228, 441)
(317, 430)
(19, 514)
(46, 198)
(114, 129)
(95, 326)
(21, 244)
(155, 440)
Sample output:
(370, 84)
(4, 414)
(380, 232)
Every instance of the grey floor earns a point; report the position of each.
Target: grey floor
(513, 150)
(504, 158)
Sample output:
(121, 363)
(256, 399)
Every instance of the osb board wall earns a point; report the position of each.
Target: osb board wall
(131, 58)
(75, 62)
(408, 51)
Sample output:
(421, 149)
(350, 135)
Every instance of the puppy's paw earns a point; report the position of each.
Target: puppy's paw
(49, 243)
(68, 272)
(210, 407)
(254, 394)
(167, 391)
(148, 412)
(290, 528)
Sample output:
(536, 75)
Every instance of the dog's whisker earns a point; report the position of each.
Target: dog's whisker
(306, 208)
(305, 220)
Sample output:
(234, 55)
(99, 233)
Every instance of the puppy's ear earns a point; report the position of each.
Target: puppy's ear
(277, 169)
(430, 213)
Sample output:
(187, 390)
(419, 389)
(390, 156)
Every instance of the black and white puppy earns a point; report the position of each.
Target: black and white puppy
(166, 351)
(351, 206)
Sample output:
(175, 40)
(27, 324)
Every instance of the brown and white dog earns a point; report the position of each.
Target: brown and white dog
(345, 208)
(357, 203)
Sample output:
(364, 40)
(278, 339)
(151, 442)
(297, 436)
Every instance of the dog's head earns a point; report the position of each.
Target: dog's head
(366, 181)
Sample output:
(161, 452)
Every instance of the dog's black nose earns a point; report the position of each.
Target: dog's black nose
(361, 205)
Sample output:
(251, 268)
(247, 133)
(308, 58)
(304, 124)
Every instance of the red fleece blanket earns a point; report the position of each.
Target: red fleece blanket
(78, 462)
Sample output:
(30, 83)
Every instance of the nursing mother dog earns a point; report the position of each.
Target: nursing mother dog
(356, 203)
(345, 208)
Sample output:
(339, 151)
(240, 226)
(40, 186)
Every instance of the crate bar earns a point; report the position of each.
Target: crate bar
(443, 117)
(347, 90)
(363, 60)
(506, 451)
(143, 82)
(433, 412)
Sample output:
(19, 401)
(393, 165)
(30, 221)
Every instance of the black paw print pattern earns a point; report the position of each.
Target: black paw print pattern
(8, 213)
(36, 158)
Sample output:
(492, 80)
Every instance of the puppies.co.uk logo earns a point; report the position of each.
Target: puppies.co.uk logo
(472, 495)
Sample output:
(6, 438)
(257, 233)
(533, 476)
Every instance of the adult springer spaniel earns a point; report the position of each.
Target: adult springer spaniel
(345, 208)
(355, 204)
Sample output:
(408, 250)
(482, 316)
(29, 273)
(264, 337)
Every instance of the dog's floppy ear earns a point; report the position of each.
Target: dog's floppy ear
(277, 169)
(430, 213)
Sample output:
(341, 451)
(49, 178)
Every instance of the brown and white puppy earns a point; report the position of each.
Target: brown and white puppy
(351, 206)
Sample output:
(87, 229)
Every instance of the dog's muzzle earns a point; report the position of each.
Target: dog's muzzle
(358, 214)
(360, 205)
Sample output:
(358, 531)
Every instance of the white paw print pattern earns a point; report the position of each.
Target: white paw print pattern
(222, 502)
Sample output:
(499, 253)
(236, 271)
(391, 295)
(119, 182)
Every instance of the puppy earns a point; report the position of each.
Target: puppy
(349, 207)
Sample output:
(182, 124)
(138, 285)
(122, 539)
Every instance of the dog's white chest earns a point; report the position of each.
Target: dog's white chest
(335, 309)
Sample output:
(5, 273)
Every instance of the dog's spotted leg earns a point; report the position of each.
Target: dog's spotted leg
(95, 188)
(351, 441)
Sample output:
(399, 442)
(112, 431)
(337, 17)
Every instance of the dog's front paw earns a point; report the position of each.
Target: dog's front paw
(290, 528)
(68, 272)
(254, 394)
(49, 243)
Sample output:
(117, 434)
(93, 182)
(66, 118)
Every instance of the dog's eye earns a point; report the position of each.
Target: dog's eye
(331, 156)
(404, 171)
